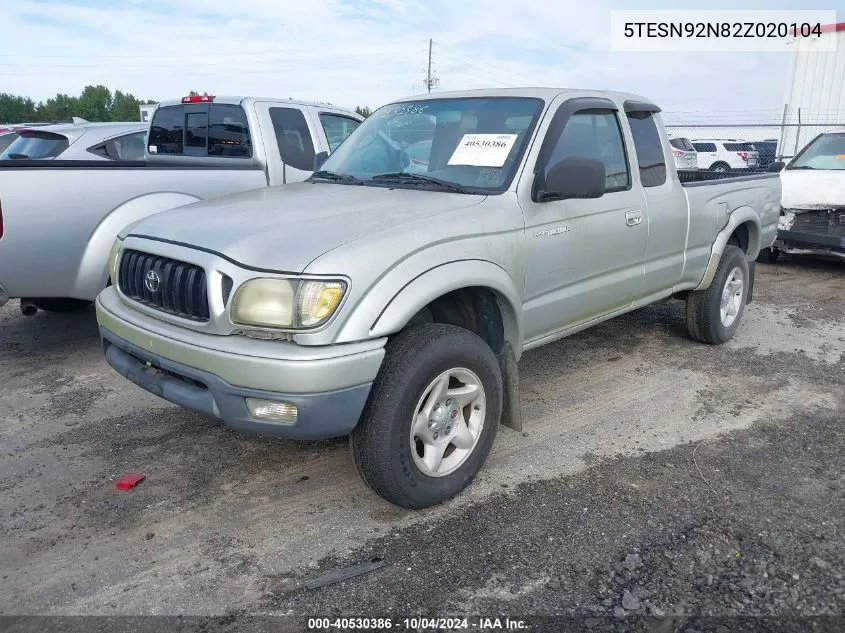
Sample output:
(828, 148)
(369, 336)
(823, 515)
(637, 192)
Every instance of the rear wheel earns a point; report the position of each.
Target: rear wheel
(431, 417)
(54, 304)
(720, 167)
(713, 314)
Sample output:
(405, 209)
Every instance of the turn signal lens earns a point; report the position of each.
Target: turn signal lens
(317, 301)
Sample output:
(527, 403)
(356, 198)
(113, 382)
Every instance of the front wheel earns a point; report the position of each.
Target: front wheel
(713, 314)
(720, 167)
(431, 417)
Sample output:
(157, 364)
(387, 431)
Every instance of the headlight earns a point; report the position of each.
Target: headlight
(112, 264)
(286, 303)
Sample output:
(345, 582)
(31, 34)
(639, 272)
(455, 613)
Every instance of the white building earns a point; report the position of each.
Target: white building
(815, 88)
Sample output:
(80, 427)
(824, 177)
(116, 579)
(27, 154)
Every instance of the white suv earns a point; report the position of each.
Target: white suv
(726, 154)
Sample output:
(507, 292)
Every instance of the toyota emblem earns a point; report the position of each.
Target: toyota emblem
(152, 281)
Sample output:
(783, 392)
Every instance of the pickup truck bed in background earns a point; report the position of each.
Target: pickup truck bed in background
(60, 218)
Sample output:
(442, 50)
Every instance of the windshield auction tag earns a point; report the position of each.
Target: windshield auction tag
(483, 150)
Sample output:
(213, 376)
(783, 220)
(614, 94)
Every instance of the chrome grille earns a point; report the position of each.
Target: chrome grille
(165, 284)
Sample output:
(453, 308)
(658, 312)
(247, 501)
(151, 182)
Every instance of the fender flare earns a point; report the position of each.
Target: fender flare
(739, 216)
(92, 275)
(372, 318)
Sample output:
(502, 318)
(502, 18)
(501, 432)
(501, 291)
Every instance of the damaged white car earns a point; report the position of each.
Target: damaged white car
(812, 220)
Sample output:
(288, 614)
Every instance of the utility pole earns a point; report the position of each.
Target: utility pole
(430, 80)
(428, 75)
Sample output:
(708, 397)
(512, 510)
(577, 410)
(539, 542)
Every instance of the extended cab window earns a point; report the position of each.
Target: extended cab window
(293, 138)
(595, 134)
(648, 147)
(209, 130)
(337, 128)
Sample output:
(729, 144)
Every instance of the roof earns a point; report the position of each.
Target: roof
(235, 100)
(546, 94)
(105, 129)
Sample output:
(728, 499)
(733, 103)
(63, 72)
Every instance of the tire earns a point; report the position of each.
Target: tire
(768, 256)
(720, 167)
(388, 453)
(59, 304)
(705, 320)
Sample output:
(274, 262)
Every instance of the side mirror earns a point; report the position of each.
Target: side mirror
(319, 159)
(776, 166)
(573, 178)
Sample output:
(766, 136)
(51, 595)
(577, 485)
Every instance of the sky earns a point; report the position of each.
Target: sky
(368, 52)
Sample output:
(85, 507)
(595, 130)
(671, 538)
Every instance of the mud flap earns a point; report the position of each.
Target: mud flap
(752, 266)
(511, 411)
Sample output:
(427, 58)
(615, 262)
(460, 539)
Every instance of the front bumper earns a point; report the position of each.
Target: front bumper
(214, 374)
(799, 242)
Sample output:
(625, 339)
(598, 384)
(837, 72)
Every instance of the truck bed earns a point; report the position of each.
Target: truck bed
(701, 177)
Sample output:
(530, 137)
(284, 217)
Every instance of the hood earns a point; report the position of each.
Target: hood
(285, 228)
(812, 188)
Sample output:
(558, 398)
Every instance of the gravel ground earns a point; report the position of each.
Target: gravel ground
(657, 478)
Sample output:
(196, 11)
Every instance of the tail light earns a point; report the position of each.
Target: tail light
(742, 155)
(677, 153)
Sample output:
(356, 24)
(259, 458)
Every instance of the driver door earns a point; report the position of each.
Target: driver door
(585, 258)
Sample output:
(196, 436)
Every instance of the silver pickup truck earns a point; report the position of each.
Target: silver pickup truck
(390, 296)
(59, 218)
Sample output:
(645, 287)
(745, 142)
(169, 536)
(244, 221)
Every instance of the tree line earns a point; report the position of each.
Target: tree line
(95, 103)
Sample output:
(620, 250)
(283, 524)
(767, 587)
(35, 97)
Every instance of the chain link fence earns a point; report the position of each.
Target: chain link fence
(729, 141)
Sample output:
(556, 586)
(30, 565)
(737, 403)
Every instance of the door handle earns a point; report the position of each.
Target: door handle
(632, 218)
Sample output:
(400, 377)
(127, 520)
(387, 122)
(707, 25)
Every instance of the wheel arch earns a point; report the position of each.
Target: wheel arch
(480, 286)
(743, 230)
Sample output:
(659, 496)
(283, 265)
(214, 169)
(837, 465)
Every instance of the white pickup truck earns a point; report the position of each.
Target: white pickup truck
(58, 219)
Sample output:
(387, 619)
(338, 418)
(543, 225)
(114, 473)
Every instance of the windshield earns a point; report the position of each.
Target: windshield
(474, 144)
(826, 152)
(31, 144)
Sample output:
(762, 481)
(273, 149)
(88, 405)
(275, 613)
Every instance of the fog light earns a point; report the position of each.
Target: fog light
(271, 410)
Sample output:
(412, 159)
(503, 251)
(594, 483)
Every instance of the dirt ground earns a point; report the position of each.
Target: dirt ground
(656, 476)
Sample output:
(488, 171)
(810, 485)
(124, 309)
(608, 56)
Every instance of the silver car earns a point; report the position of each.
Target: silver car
(79, 141)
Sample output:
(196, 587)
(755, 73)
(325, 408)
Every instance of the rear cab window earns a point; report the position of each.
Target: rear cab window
(199, 129)
(35, 144)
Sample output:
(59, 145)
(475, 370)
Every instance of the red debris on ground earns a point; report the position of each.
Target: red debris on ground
(129, 481)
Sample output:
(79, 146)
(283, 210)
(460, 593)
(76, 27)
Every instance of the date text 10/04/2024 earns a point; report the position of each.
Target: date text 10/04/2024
(417, 624)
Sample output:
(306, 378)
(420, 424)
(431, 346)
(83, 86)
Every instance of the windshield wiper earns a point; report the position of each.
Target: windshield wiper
(801, 167)
(334, 177)
(418, 179)
(18, 156)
